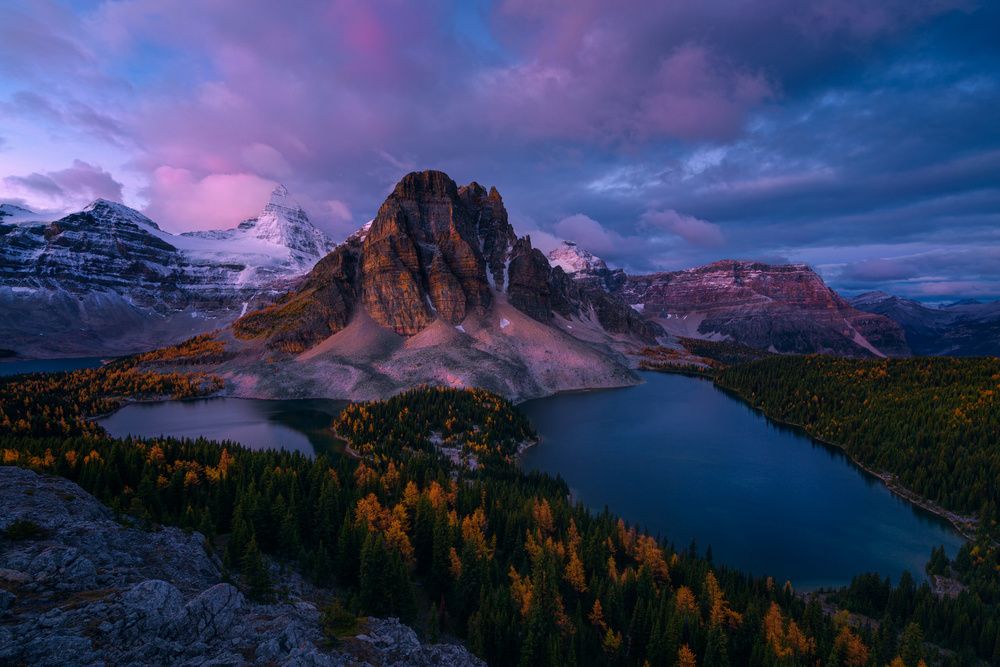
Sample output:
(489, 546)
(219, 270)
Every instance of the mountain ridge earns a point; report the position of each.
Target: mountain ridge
(963, 328)
(108, 280)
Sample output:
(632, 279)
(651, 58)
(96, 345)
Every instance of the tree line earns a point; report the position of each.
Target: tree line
(503, 558)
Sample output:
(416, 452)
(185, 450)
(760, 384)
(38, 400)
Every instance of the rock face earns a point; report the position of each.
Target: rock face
(109, 280)
(437, 289)
(961, 329)
(786, 308)
(435, 251)
(90, 592)
(423, 256)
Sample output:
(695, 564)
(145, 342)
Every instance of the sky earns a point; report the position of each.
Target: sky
(861, 137)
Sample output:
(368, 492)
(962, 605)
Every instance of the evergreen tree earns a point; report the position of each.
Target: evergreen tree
(255, 573)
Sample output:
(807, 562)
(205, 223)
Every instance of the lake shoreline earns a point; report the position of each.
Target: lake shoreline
(889, 480)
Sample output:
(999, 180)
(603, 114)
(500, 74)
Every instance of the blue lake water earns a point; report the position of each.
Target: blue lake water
(674, 454)
(48, 365)
(687, 460)
(302, 425)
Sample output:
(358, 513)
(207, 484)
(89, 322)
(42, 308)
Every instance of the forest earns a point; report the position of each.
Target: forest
(503, 559)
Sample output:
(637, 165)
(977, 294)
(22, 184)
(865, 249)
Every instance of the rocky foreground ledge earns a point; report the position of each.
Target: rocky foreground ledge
(87, 591)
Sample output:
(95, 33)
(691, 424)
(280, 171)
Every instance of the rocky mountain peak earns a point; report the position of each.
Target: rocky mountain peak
(425, 185)
(283, 222)
(281, 200)
(574, 259)
(581, 265)
(114, 212)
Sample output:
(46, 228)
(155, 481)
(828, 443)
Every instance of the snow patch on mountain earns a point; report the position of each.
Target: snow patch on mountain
(574, 259)
(282, 234)
(111, 249)
(9, 213)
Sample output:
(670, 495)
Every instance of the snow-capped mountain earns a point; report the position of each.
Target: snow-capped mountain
(282, 224)
(11, 213)
(89, 273)
(581, 265)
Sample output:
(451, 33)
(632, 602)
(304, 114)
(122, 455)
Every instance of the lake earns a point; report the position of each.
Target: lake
(48, 365)
(301, 426)
(675, 454)
(687, 460)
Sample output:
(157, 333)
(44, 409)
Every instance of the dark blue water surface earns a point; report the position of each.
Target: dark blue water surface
(302, 425)
(689, 461)
(674, 454)
(48, 365)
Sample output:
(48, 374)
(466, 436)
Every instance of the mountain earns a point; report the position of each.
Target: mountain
(436, 289)
(585, 268)
(783, 308)
(961, 329)
(11, 213)
(108, 280)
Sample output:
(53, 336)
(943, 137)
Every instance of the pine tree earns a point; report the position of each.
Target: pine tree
(255, 573)
(322, 566)
(715, 651)
(375, 594)
(911, 648)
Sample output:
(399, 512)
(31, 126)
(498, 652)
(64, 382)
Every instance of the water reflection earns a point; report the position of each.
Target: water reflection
(302, 425)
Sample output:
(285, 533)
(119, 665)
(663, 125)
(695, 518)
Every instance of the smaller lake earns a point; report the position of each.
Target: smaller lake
(687, 460)
(298, 426)
(48, 365)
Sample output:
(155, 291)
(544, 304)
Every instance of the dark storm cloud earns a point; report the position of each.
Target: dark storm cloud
(666, 134)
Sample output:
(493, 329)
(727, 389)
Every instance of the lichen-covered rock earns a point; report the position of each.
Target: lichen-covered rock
(80, 538)
(54, 651)
(113, 619)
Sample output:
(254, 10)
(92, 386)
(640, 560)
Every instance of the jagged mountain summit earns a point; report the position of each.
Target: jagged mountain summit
(580, 264)
(437, 289)
(108, 280)
(282, 224)
(964, 328)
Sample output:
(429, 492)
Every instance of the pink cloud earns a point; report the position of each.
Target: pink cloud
(696, 232)
(181, 202)
(66, 189)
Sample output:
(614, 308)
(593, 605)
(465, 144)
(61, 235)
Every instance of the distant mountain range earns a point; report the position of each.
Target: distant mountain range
(436, 289)
(108, 280)
(783, 308)
(961, 329)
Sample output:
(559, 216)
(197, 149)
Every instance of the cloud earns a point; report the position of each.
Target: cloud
(939, 272)
(694, 231)
(793, 127)
(181, 202)
(76, 185)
